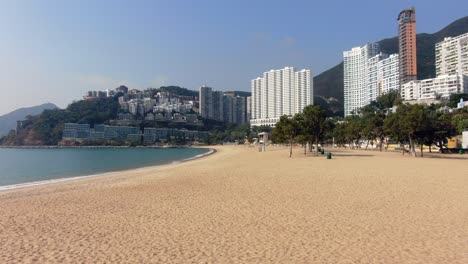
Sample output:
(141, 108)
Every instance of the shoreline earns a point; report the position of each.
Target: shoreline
(18, 186)
(61, 147)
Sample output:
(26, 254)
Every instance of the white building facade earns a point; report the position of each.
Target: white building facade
(410, 91)
(280, 92)
(355, 66)
(452, 56)
(434, 88)
(373, 77)
(367, 75)
(303, 88)
(388, 75)
(256, 86)
(451, 71)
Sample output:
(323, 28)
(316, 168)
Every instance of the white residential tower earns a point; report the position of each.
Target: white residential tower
(280, 92)
(452, 56)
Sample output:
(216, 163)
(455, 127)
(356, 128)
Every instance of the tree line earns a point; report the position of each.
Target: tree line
(384, 121)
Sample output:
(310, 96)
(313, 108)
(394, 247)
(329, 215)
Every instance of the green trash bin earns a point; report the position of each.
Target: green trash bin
(461, 152)
(322, 151)
(329, 155)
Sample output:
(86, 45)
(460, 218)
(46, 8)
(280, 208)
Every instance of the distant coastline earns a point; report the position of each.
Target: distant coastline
(65, 147)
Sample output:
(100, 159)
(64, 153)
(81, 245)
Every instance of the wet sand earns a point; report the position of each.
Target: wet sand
(242, 206)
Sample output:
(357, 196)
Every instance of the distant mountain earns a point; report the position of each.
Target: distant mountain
(8, 121)
(330, 82)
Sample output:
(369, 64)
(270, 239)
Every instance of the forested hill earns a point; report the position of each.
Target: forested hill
(46, 128)
(8, 121)
(178, 91)
(330, 82)
(186, 92)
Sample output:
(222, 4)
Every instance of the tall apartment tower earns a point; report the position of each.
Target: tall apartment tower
(303, 92)
(388, 75)
(356, 66)
(218, 105)
(248, 109)
(206, 102)
(452, 56)
(257, 98)
(373, 82)
(235, 109)
(280, 92)
(407, 45)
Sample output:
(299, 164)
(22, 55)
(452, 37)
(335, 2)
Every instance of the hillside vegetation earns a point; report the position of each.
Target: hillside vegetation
(46, 128)
(8, 121)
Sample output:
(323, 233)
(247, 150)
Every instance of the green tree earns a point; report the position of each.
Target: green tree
(411, 122)
(339, 134)
(455, 99)
(354, 130)
(460, 120)
(379, 131)
(286, 130)
(313, 124)
(438, 129)
(392, 129)
(372, 119)
(388, 100)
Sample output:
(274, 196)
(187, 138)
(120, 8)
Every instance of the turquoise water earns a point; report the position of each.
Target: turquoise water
(19, 166)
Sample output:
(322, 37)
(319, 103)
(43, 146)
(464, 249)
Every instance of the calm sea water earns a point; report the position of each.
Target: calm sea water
(19, 166)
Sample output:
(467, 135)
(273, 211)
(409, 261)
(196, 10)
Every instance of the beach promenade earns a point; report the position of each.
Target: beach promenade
(242, 206)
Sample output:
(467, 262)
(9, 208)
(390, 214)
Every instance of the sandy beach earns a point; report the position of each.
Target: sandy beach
(242, 206)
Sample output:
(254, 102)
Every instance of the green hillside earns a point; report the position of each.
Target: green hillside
(8, 121)
(330, 82)
(178, 90)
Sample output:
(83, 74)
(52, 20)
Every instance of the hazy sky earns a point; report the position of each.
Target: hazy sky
(55, 51)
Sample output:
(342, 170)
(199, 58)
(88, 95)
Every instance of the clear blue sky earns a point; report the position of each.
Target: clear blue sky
(54, 51)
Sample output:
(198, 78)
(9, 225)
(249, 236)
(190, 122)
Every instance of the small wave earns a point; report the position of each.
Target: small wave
(199, 155)
(44, 182)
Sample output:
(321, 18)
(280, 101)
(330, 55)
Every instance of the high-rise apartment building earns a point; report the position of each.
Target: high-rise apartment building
(388, 74)
(407, 45)
(218, 105)
(373, 82)
(206, 102)
(451, 70)
(280, 92)
(452, 55)
(367, 75)
(303, 91)
(356, 76)
(257, 98)
(211, 103)
(248, 113)
(235, 109)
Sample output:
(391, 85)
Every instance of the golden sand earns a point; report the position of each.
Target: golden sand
(243, 206)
